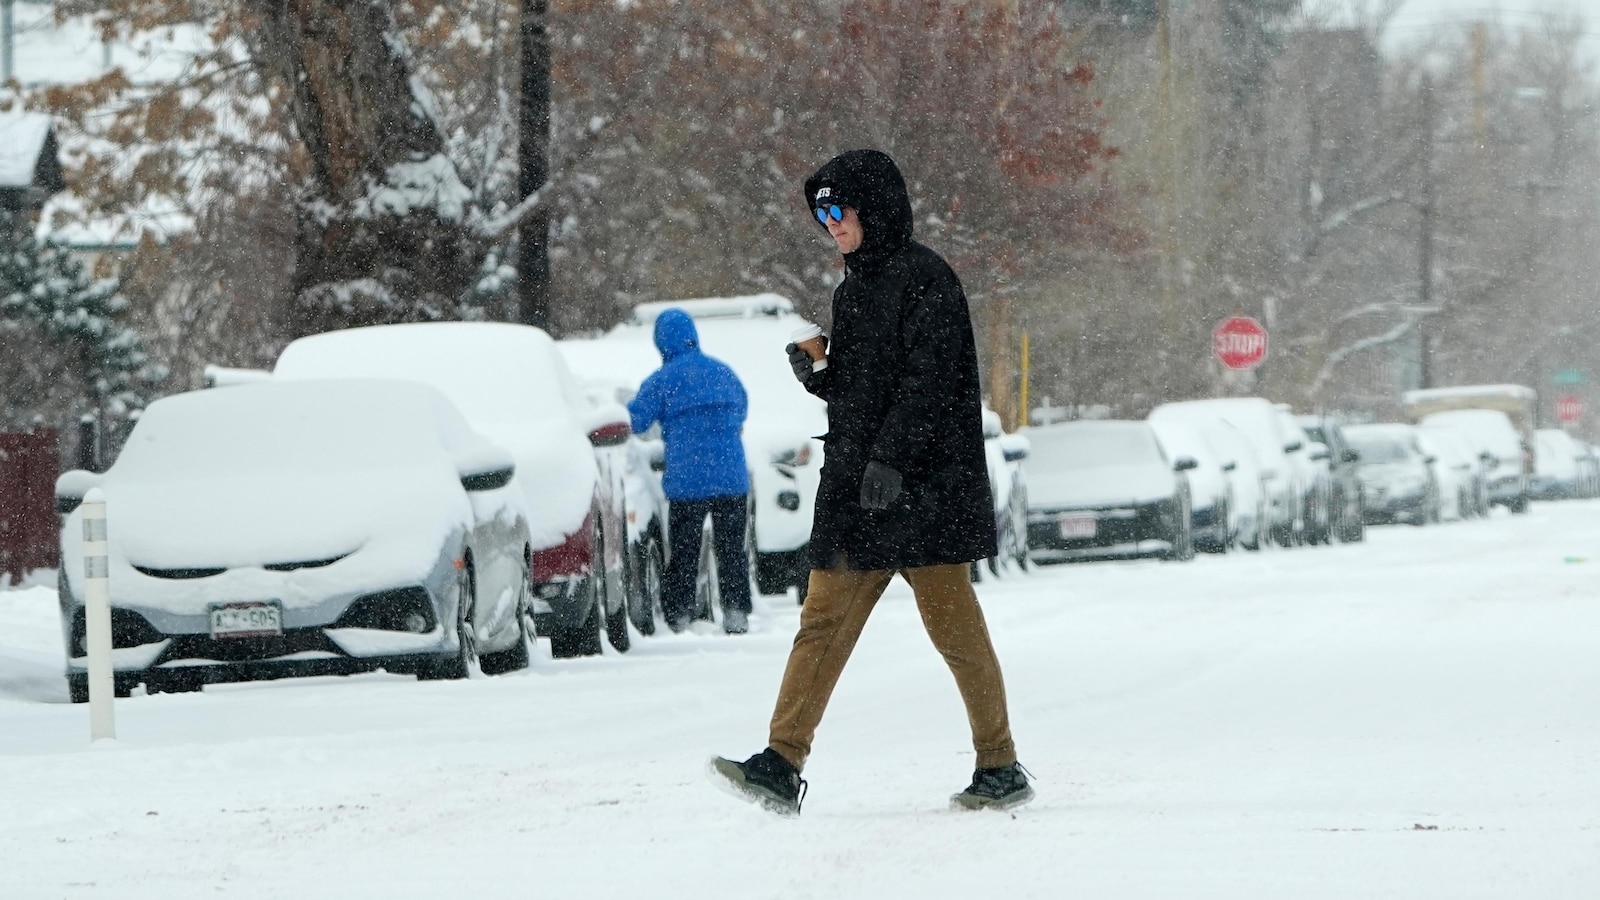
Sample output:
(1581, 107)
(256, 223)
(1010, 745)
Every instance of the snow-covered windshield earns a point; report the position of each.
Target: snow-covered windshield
(1092, 444)
(327, 426)
(1379, 444)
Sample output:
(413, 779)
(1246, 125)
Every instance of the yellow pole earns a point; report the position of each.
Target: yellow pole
(1023, 399)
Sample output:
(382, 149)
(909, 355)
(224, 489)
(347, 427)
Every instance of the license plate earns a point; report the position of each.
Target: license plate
(1078, 526)
(246, 620)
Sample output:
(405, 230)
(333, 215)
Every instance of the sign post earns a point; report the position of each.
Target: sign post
(1239, 342)
(97, 618)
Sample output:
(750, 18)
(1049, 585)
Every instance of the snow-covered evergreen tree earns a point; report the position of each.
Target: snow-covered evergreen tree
(42, 283)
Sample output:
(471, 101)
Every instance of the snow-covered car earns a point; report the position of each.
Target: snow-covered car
(512, 384)
(1257, 420)
(1008, 485)
(1100, 489)
(606, 371)
(1314, 474)
(311, 528)
(1455, 471)
(1344, 489)
(1454, 445)
(1497, 418)
(783, 428)
(1210, 492)
(1509, 456)
(1558, 466)
(1397, 481)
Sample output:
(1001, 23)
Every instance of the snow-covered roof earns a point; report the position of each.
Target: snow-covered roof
(71, 51)
(748, 307)
(23, 138)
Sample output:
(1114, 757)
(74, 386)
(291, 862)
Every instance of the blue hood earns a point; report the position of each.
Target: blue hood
(675, 334)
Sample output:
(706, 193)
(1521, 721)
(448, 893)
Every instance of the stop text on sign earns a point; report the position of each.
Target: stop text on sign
(1239, 342)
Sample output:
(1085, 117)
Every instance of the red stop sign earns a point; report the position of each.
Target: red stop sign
(1569, 408)
(1240, 342)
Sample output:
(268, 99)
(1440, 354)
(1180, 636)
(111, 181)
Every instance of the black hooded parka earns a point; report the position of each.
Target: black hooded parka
(901, 387)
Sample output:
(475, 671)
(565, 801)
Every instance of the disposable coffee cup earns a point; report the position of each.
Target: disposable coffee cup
(809, 339)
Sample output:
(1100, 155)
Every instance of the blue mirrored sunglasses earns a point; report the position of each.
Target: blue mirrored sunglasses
(824, 213)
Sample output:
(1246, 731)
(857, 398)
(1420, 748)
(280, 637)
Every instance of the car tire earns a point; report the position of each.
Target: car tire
(644, 583)
(707, 583)
(616, 619)
(465, 659)
(583, 640)
(516, 656)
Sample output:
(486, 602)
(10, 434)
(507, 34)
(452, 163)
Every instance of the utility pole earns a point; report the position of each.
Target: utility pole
(1169, 152)
(1425, 250)
(533, 166)
(8, 41)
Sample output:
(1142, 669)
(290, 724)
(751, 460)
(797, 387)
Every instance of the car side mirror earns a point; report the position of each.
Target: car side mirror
(1184, 464)
(1015, 447)
(1320, 453)
(610, 435)
(1349, 455)
(1293, 446)
(487, 467)
(1229, 466)
(71, 486)
(607, 424)
(1430, 459)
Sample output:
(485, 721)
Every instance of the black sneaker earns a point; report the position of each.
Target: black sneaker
(1001, 788)
(766, 779)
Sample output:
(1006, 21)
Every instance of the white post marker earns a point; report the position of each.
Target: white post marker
(97, 617)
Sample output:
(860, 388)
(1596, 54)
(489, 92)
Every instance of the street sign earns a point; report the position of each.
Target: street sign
(1569, 376)
(1569, 408)
(1239, 342)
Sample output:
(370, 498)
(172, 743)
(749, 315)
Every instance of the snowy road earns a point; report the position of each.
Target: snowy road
(1417, 717)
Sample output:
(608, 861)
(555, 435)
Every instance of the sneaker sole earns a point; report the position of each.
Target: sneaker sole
(729, 778)
(965, 801)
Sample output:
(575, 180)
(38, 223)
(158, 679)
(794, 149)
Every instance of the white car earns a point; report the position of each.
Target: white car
(512, 384)
(1210, 492)
(311, 528)
(1259, 423)
(1557, 466)
(1008, 486)
(1493, 432)
(1455, 471)
(781, 431)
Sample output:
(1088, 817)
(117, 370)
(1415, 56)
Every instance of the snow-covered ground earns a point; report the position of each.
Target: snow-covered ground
(1417, 717)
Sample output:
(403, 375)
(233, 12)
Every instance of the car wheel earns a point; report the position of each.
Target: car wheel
(466, 658)
(644, 584)
(583, 640)
(616, 619)
(707, 587)
(516, 656)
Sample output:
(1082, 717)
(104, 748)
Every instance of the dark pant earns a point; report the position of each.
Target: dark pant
(685, 518)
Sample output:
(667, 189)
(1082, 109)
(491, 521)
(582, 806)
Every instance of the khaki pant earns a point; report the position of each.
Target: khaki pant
(835, 611)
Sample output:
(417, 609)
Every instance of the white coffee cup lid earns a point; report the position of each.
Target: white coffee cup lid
(806, 333)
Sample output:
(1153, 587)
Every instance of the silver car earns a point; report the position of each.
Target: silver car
(302, 528)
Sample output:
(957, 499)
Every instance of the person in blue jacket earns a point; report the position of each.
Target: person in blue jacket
(701, 406)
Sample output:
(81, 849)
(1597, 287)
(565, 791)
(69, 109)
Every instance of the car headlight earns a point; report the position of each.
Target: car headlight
(797, 456)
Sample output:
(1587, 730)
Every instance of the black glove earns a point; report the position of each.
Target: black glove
(879, 486)
(800, 362)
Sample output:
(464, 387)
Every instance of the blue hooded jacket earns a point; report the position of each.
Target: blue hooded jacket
(701, 406)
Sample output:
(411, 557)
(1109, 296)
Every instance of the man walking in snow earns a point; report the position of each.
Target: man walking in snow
(904, 487)
(701, 406)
